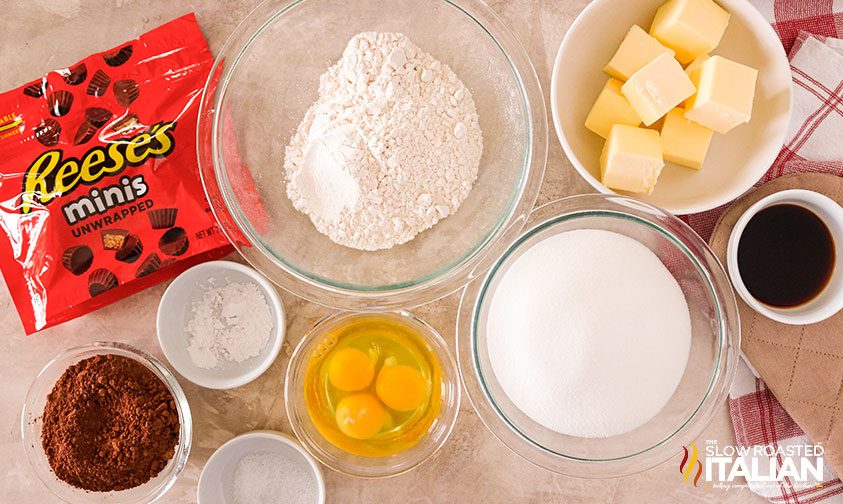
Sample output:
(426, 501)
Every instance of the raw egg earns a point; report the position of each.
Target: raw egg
(360, 416)
(401, 387)
(350, 369)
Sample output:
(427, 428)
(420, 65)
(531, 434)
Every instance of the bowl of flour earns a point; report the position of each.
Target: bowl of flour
(221, 324)
(359, 158)
(602, 341)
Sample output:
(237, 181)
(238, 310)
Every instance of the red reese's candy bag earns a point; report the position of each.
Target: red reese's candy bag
(100, 195)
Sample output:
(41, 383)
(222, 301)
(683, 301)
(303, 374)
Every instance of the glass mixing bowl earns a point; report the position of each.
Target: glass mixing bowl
(715, 343)
(371, 467)
(31, 423)
(266, 77)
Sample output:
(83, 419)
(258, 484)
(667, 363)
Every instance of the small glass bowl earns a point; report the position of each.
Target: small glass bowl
(715, 343)
(371, 467)
(32, 422)
(265, 78)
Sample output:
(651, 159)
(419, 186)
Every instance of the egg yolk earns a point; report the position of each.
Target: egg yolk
(350, 370)
(402, 388)
(360, 416)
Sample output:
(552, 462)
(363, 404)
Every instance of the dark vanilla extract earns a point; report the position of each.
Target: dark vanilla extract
(786, 255)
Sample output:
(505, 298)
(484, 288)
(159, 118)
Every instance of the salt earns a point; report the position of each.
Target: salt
(264, 477)
(589, 333)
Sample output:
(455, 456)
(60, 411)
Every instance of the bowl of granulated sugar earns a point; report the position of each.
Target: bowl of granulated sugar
(259, 467)
(221, 324)
(602, 341)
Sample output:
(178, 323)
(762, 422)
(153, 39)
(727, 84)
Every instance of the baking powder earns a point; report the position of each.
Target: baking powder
(229, 323)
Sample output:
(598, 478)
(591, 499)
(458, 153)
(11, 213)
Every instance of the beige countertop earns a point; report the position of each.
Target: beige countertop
(40, 35)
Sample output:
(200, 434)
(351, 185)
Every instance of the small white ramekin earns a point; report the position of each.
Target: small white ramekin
(174, 311)
(217, 476)
(830, 300)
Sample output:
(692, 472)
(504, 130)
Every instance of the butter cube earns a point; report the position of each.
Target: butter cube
(656, 125)
(725, 90)
(696, 64)
(610, 108)
(637, 49)
(658, 87)
(691, 67)
(631, 159)
(684, 142)
(689, 27)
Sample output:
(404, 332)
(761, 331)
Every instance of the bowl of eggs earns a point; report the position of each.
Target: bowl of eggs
(372, 394)
(684, 104)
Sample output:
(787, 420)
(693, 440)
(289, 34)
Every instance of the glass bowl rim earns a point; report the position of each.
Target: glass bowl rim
(723, 371)
(449, 412)
(182, 449)
(431, 286)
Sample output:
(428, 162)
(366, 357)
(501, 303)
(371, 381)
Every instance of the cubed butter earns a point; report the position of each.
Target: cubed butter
(637, 49)
(725, 90)
(691, 67)
(689, 27)
(610, 108)
(656, 125)
(698, 61)
(631, 159)
(658, 87)
(684, 142)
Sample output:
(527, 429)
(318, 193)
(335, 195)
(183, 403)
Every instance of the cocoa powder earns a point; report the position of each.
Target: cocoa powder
(109, 424)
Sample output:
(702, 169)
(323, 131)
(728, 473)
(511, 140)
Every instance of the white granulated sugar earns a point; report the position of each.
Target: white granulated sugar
(269, 477)
(588, 333)
(391, 146)
(228, 323)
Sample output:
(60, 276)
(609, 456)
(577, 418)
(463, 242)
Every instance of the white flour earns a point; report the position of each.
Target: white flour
(588, 333)
(229, 323)
(391, 146)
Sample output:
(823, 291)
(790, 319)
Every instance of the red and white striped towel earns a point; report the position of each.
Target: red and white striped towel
(789, 17)
(760, 420)
(809, 31)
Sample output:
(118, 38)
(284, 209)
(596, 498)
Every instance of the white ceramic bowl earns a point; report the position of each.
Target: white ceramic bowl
(830, 300)
(217, 477)
(735, 161)
(174, 311)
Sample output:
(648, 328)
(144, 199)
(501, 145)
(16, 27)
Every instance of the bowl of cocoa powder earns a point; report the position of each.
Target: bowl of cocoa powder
(106, 422)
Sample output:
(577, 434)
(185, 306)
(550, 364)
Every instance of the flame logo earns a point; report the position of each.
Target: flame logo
(689, 461)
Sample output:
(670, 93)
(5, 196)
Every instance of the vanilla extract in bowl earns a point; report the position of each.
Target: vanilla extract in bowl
(786, 255)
